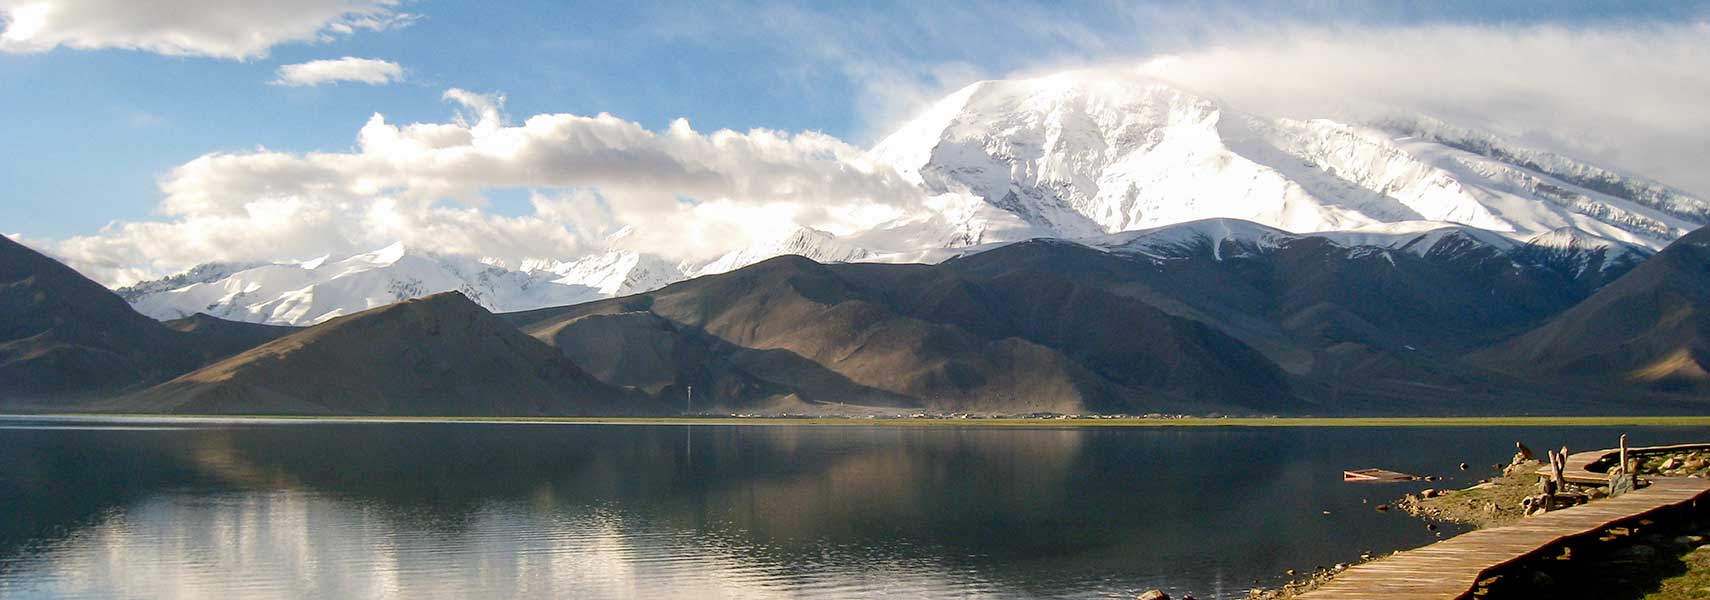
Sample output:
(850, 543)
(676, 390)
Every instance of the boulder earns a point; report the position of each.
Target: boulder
(1153, 595)
(1620, 482)
(1522, 453)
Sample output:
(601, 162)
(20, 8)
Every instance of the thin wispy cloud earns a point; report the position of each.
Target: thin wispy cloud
(210, 28)
(347, 69)
(1627, 95)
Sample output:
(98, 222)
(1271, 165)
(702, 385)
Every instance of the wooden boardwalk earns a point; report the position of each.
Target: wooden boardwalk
(1576, 470)
(1452, 568)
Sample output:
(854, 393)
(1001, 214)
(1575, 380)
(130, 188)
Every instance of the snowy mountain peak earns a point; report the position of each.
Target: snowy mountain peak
(1217, 237)
(1086, 153)
(202, 273)
(305, 293)
(612, 273)
(1115, 160)
(801, 241)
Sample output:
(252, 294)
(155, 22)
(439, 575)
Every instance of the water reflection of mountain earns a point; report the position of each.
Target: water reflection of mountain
(760, 495)
(642, 511)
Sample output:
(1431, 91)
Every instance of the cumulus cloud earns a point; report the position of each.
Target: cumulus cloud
(349, 68)
(1627, 95)
(687, 194)
(228, 29)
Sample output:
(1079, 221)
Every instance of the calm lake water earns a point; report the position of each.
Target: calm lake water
(149, 509)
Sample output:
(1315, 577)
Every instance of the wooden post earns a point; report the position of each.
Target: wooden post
(1623, 477)
(1623, 452)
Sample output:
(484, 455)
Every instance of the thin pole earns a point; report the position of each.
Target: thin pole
(689, 406)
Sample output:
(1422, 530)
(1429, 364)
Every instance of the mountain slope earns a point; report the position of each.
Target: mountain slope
(917, 336)
(215, 338)
(1650, 328)
(63, 334)
(66, 339)
(1215, 315)
(438, 355)
(1375, 323)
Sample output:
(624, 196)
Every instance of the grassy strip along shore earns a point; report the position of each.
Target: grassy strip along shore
(1067, 421)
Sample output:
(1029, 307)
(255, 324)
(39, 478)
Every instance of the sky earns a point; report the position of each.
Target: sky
(142, 138)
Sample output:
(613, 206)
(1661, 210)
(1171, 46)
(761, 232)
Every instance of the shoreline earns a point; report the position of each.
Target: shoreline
(1540, 421)
(1663, 550)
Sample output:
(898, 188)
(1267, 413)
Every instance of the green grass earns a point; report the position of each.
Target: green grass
(1693, 583)
(1637, 421)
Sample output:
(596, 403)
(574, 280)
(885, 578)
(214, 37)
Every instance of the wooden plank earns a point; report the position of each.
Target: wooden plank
(1451, 568)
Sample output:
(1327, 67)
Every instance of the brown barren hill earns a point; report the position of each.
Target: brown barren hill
(437, 355)
(66, 340)
(912, 336)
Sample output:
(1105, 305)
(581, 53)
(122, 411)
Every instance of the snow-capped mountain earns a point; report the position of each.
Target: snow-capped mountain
(802, 241)
(310, 292)
(1087, 153)
(1110, 159)
(1573, 255)
(611, 273)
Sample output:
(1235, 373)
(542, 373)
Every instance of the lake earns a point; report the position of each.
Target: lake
(98, 508)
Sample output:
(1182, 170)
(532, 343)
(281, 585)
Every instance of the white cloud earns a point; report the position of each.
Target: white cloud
(349, 68)
(231, 29)
(687, 194)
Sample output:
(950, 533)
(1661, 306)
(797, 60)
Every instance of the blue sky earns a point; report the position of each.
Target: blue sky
(91, 131)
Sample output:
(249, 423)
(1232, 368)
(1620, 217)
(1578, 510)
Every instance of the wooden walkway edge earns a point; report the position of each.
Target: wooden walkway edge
(1578, 465)
(1452, 568)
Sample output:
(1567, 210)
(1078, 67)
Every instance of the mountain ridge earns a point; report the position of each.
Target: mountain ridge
(1208, 317)
(1075, 155)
